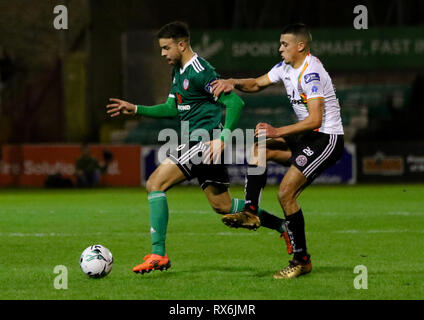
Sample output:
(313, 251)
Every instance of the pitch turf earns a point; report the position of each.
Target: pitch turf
(378, 226)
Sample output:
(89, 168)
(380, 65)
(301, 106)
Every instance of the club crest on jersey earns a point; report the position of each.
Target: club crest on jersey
(301, 160)
(185, 84)
(311, 77)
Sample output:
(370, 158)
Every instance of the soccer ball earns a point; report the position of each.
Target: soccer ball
(96, 261)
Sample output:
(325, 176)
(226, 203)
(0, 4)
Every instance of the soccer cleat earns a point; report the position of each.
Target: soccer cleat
(286, 238)
(242, 219)
(295, 269)
(153, 262)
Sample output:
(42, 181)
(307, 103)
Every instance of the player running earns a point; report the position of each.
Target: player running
(311, 145)
(191, 100)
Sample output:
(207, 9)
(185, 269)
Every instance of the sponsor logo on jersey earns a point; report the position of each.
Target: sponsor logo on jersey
(184, 107)
(314, 89)
(311, 77)
(294, 101)
(185, 84)
(301, 160)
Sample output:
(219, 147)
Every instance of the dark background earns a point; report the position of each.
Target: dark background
(33, 57)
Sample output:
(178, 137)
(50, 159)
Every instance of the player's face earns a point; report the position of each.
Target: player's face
(170, 51)
(289, 48)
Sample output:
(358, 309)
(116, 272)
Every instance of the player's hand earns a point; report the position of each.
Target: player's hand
(221, 85)
(120, 106)
(213, 153)
(266, 130)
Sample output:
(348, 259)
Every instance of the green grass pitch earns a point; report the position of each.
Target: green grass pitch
(378, 226)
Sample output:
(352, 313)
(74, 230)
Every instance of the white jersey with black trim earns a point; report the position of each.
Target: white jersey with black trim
(310, 81)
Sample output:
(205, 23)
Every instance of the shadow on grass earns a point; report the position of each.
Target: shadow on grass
(232, 271)
(238, 271)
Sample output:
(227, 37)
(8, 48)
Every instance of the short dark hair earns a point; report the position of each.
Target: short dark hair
(174, 30)
(299, 29)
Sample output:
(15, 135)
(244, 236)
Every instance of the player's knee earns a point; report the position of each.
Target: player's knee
(152, 185)
(149, 186)
(285, 194)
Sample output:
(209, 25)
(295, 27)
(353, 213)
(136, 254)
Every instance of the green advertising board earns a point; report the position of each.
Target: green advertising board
(338, 49)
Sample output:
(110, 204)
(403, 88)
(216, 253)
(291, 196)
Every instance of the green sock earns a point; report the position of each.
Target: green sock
(158, 220)
(237, 205)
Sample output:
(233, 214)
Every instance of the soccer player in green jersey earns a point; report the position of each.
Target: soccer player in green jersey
(191, 100)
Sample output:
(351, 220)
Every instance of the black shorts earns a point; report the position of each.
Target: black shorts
(313, 152)
(187, 158)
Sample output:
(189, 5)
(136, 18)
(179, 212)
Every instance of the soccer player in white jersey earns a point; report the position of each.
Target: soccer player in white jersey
(309, 146)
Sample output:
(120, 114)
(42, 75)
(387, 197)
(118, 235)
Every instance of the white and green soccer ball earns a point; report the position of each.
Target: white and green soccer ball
(96, 261)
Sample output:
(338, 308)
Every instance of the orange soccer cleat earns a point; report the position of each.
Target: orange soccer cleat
(153, 262)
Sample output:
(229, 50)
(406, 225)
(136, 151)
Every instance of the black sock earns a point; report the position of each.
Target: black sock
(295, 225)
(270, 221)
(254, 185)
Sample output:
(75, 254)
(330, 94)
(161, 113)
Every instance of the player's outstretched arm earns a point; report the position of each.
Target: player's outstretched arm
(164, 110)
(246, 85)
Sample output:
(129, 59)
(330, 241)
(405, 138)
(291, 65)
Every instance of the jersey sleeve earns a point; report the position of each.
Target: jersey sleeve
(312, 83)
(206, 77)
(276, 74)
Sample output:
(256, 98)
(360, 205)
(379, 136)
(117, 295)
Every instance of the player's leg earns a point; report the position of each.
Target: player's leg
(163, 178)
(314, 153)
(290, 188)
(219, 198)
(275, 150)
(215, 182)
(256, 176)
(255, 185)
(250, 215)
(222, 203)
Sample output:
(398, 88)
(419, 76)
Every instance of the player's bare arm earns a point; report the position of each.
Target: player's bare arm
(245, 85)
(312, 122)
(120, 106)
